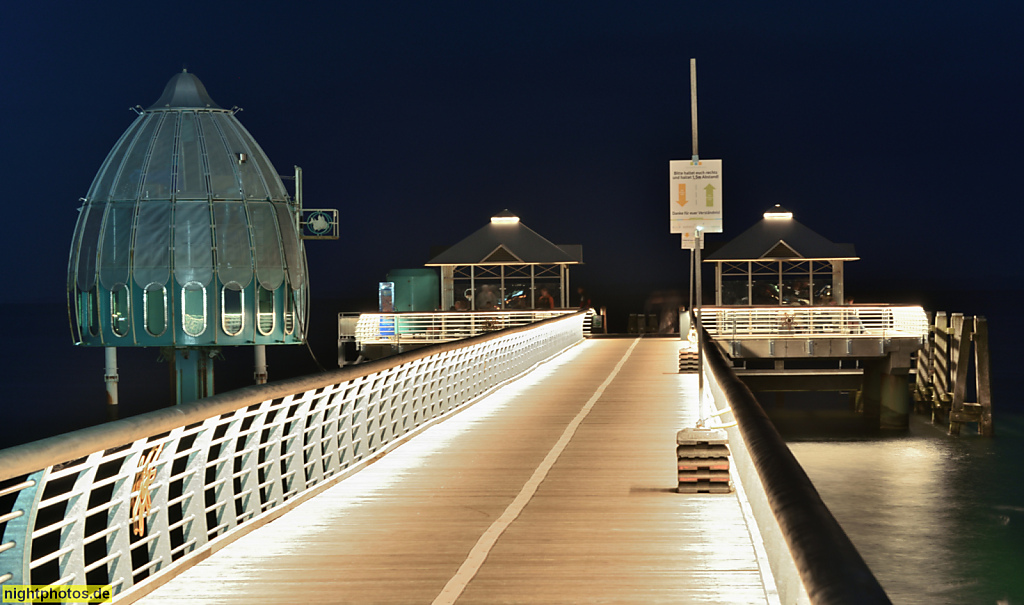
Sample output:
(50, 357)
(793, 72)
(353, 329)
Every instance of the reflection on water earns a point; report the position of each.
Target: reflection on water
(938, 519)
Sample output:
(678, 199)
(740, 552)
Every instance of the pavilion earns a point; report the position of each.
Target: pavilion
(505, 265)
(779, 261)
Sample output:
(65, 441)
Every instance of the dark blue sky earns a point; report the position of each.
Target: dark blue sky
(895, 126)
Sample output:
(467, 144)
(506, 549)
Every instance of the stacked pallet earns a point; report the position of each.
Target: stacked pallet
(688, 362)
(703, 461)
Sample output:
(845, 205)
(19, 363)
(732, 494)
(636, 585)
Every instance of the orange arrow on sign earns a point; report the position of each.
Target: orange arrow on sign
(682, 195)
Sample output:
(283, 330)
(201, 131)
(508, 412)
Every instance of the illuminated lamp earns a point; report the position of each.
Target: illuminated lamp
(778, 212)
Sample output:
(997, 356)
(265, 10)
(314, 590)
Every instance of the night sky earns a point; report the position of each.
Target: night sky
(895, 126)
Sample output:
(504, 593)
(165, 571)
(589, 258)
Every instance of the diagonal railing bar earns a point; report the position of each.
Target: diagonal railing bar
(132, 502)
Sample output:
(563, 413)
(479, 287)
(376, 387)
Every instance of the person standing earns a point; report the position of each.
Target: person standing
(584, 300)
(545, 301)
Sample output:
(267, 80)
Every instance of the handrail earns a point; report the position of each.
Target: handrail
(829, 566)
(440, 326)
(162, 490)
(864, 321)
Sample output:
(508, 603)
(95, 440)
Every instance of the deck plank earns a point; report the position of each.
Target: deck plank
(605, 525)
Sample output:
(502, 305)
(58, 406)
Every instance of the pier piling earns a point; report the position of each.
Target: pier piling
(943, 372)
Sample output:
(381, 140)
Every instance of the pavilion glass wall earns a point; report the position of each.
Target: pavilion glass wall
(493, 287)
(776, 282)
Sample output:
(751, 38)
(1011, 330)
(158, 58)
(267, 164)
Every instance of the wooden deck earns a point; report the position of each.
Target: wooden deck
(559, 488)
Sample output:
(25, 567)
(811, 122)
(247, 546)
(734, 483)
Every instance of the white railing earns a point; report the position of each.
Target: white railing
(848, 322)
(123, 503)
(412, 328)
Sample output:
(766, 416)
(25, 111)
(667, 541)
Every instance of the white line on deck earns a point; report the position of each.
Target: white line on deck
(453, 589)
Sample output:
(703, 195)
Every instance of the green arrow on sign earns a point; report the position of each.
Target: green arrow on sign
(710, 190)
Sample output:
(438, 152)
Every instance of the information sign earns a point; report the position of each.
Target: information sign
(695, 196)
(689, 240)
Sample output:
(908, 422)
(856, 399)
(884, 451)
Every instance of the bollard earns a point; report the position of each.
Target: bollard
(703, 461)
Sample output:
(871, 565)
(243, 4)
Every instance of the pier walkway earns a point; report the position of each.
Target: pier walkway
(557, 488)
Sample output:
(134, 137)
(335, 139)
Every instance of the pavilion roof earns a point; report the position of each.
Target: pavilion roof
(779, 236)
(506, 241)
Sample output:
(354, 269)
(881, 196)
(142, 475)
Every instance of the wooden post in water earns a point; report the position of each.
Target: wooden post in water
(961, 327)
(923, 370)
(983, 376)
(943, 368)
(940, 366)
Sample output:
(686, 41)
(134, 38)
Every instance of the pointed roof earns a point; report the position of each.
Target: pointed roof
(779, 236)
(184, 91)
(505, 241)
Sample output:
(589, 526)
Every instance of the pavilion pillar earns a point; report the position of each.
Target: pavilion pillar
(533, 288)
(565, 289)
(562, 286)
(810, 281)
(447, 287)
(780, 282)
(718, 284)
(837, 283)
(750, 283)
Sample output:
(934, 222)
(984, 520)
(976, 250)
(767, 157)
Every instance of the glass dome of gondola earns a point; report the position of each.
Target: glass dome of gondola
(187, 236)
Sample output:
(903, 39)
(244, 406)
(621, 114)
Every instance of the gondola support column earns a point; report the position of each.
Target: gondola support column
(110, 375)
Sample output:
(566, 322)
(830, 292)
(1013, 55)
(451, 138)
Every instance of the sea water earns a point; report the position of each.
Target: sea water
(49, 386)
(938, 519)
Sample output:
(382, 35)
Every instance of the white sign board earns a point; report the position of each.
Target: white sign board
(695, 196)
(689, 240)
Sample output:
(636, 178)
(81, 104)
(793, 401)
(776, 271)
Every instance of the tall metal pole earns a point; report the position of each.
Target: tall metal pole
(690, 307)
(698, 243)
(693, 105)
(700, 325)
